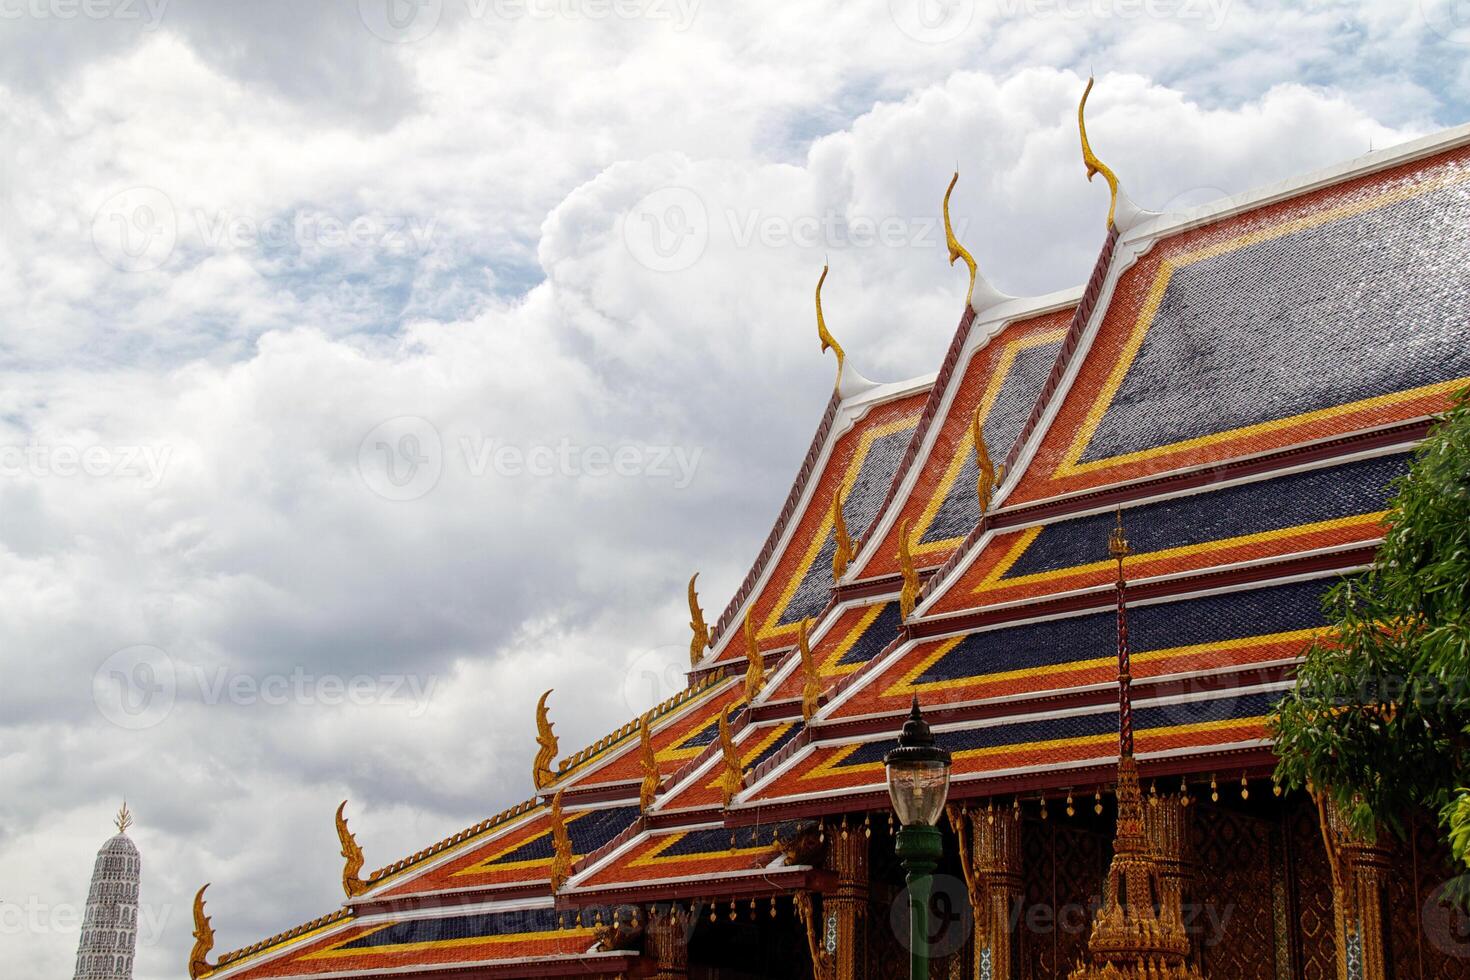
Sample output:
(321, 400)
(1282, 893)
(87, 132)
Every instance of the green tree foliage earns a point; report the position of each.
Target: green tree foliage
(1381, 707)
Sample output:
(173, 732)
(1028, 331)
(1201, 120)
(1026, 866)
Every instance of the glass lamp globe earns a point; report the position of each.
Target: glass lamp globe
(918, 773)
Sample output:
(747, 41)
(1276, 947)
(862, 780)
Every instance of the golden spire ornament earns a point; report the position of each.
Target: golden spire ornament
(561, 844)
(547, 742)
(203, 940)
(987, 474)
(1133, 938)
(958, 252)
(811, 686)
(124, 819)
(1094, 165)
(755, 675)
(828, 341)
(648, 761)
(699, 641)
(734, 773)
(352, 883)
(842, 556)
(908, 597)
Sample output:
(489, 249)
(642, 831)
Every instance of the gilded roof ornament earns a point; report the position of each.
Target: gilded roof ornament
(843, 556)
(987, 474)
(199, 963)
(546, 754)
(755, 674)
(649, 763)
(909, 596)
(699, 642)
(956, 250)
(352, 883)
(1094, 165)
(124, 819)
(561, 843)
(734, 773)
(811, 688)
(823, 334)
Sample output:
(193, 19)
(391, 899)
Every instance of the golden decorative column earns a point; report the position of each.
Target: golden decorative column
(845, 909)
(666, 940)
(1359, 869)
(990, 857)
(1169, 825)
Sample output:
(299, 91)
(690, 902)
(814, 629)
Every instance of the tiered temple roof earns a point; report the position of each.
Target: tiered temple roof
(1244, 381)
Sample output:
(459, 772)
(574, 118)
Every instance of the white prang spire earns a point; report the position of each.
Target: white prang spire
(110, 928)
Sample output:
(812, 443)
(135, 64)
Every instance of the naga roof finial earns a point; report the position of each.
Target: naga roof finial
(842, 556)
(699, 642)
(956, 250)
(203, 940)
(1094, 165)
(561, 843)
(909, 596)
(811, 687)
(124, 819)
(754, 666)
(823, 334)
(987, 474)
(352, 883)
(546, 754)
(734, 773)
(649, 763)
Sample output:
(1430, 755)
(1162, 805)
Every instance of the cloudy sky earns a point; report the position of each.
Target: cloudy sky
(369, 367)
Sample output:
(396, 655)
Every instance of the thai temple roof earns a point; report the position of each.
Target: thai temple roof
(1244, 381)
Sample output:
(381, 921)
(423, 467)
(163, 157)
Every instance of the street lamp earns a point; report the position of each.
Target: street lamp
(918, 783)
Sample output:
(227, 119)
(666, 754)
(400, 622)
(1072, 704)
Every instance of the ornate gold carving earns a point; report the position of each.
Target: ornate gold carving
(199, 963)
(956, 250)
(649, 762)
(1359, 868)
(561, 860)
(1094, 165)
(699, 642)
(546, 754)
(987, 474)
(755, 676)
(352, 883)
(828, 341)
(990, 858)
(811, 685)
(734, 773)
(908, 597)
(811, 920)
(618, 935)
(842, 557)
(804, 845)
(124, 819)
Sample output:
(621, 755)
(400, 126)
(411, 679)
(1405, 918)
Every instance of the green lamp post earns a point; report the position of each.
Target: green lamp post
(918, 783)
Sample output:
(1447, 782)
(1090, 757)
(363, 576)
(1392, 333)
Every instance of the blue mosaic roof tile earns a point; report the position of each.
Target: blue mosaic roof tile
(587, 834)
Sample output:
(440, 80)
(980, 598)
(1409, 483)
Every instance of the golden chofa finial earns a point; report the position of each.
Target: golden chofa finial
(987, 474)
(956, 250)
(823, 334)
(755, 674)
(734, 773)
(811, 686)
(561, 846)
(546, 754)
(1094, 165)
(909, 596)
(352, 883)
(124, 819)
(699, 642)
(199, 963)
(842, 556)
(649, 763)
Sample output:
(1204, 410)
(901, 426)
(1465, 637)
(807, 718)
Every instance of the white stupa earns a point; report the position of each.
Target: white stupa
(110, 928)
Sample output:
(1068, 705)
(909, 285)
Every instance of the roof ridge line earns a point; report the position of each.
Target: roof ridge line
(475, 830)
(235, 956)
